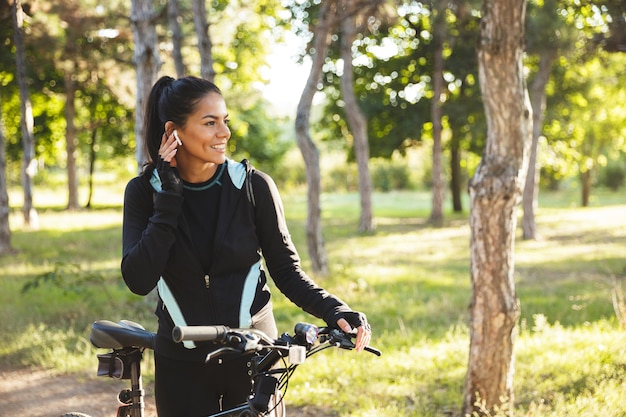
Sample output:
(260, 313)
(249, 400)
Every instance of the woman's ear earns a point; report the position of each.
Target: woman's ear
(169, 127)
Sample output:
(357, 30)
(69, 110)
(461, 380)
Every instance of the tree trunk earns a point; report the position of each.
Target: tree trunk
(205, 46)
(310, 154)
(70, 137)
(174, 18)
(587, 165)
(455, 177)
(92, 164)
(356, 119)
(29, 164)
(495, 193)
(456, 173)
(538, 102)
(586, 179)
(439, 33)
(5, 210)
(147, 63)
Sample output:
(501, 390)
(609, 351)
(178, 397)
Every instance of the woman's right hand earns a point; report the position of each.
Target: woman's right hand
(168, 149)
(170, 180)
(355, 320)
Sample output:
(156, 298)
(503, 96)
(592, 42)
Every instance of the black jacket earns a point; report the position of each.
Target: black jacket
(157, 243)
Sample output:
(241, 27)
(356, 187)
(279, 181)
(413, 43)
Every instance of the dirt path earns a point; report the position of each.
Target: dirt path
(41, 393)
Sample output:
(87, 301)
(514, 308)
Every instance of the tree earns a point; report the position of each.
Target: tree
(68, 47)
(353, 19)
(174, 18)
(352, 12)
(384, 83)
(405, 98)
(205, 46)
(81, 44)
(439, 37)
(70, 138)
(582, 131)
(106, 125)
(602, 128)
(28, 140)
(147, 62)
(321, 40)
(538, 103)
(495, 192)
(5, 230)
(70, 13)
(545, 38)
(463, 106)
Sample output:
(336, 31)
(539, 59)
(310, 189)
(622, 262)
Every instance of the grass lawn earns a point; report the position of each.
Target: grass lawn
(411, 280)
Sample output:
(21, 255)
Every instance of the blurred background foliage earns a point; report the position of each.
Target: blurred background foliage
(585, 117)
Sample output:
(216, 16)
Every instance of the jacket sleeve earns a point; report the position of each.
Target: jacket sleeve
(281, 256)
(148, 233)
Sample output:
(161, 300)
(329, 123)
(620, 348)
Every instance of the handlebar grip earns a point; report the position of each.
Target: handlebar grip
(199, 333)
(373, 350)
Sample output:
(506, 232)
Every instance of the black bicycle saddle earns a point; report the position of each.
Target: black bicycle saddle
(109, 335)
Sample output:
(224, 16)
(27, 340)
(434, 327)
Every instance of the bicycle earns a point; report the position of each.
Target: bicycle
(272, 362)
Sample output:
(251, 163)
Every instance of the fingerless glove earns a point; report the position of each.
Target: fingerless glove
(170, 180)
(354, 318)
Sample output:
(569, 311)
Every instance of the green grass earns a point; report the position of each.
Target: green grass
(412, 280)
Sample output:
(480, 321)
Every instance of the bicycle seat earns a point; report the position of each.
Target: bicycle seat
(109, 335)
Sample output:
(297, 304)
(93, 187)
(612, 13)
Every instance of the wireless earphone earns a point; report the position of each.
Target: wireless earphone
(180, 142)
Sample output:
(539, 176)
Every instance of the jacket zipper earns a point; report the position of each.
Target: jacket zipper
(207, 280)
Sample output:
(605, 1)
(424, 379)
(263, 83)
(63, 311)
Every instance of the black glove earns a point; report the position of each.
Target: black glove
(354, 318)
(170, 180)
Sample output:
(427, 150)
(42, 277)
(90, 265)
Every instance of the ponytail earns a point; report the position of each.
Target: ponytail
(154, 127)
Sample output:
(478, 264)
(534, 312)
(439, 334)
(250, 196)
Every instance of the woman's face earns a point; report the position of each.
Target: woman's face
(206, 133)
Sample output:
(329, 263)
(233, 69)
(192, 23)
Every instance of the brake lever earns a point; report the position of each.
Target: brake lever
(343, 340)
(247, 342)
(219, 352)
(340, 339)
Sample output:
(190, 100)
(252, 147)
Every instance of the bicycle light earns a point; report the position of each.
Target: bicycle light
(306, 332)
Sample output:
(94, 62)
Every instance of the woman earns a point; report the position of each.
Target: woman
(195, 226)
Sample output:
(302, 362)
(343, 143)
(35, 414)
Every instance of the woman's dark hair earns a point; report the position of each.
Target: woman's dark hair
(171, 100)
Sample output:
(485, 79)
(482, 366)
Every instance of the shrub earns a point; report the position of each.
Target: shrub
(388, 176)
(613, 176)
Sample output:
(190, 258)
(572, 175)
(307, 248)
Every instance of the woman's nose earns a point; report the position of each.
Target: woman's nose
(224, 131)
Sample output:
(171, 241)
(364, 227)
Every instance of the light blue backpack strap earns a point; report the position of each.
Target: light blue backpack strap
(247, 296)
(237, 172)
(173, 308)
(155, 181)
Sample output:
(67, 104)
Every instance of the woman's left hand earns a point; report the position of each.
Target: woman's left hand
(363, 333)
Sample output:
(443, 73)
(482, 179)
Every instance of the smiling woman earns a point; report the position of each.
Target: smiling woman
(198, 226)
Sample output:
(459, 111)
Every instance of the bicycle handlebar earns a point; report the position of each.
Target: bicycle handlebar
(306, 334)
(200, 333)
